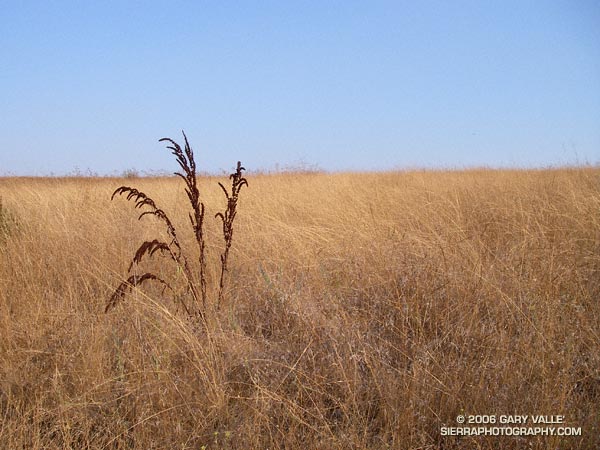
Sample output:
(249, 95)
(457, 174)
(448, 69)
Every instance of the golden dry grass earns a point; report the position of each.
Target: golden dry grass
(362, 311)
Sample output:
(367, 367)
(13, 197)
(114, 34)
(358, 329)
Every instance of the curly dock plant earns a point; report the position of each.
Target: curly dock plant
(227, 217)
(173, 248)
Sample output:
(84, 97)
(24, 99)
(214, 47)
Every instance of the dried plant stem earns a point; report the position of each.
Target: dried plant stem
(185, 159)
(227, 217)
(173, 249)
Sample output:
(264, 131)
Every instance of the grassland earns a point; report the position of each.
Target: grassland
(361, 311)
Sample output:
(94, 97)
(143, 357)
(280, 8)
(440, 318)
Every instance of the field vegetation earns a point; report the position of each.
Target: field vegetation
(360, 311)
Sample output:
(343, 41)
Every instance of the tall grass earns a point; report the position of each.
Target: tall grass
(362, 311)
(8, 222)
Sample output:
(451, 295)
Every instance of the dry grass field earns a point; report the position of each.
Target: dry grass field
(361, 311)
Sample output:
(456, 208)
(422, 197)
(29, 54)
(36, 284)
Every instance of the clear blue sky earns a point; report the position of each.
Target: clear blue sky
(344, 85)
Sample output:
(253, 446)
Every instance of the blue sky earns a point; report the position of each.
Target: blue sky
(343, 85)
